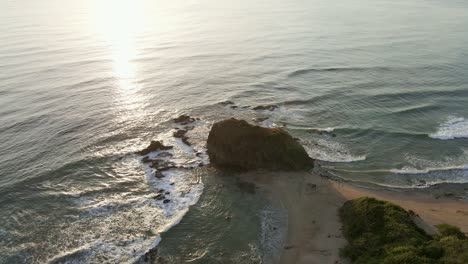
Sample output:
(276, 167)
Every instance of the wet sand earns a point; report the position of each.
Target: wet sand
(314, 229)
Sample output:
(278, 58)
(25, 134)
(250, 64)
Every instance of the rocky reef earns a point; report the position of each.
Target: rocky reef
(154, 146)
(236, 144)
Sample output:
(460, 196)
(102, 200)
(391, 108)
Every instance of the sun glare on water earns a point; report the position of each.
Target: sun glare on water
(119, 22)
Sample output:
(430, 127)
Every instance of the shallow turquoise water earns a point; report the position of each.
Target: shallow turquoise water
(376, 90)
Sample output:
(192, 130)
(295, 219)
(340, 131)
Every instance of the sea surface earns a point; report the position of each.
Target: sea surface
(377, 91)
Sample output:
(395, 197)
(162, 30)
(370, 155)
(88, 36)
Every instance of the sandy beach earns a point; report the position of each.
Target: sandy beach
(314, 228)
(314, 234)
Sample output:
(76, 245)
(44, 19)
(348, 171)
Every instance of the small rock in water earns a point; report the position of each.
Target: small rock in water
(159, 196)
(146, 160)
(266, 107)
(227, 103)
(160, 190)
(158, 175)
(154, 146)
(151, 255)
(167, 193)
(167, 166)
(179, 133)
(165, 154)
(166, 201)
(162, 165)
(185, 140)
(184, 120)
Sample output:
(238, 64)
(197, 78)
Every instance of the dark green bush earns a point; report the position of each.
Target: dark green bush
(450, 230)
(382, 232)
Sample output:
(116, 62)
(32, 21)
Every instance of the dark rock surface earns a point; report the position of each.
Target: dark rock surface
(181, 133)
(184, 120)
(236, 144)
(266, 107)
(154, 146)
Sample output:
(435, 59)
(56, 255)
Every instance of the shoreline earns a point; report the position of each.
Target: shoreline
(431, 210)
(314, 228)
(313, 231)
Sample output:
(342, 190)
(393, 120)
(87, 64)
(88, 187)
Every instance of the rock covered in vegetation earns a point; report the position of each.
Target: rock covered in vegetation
(154, 146)
(382, 232)
(236, 144)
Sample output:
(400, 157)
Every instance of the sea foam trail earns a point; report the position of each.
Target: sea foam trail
(409, 170)
(454, 127)
(325, 149)
(183, 191)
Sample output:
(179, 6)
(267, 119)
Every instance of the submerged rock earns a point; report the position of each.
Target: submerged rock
(159, 196)
(236, 144)
(158, 175)
(154, 146)
(247, 187)
(165, 154)
(226, 103)
(266, 107)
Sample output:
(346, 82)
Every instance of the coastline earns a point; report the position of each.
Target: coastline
(314, 228)
(430, 209)
(313, 234)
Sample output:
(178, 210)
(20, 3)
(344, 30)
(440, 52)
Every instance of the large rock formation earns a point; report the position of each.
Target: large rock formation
(236, 144)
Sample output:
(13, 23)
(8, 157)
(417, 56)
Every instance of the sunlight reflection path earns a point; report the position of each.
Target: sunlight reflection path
(118, 22)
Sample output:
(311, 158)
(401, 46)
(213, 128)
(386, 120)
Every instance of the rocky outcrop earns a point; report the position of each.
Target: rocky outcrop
(154, 146)
(184, 120)
(236, 144)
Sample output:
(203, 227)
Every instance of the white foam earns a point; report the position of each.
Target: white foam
(273, 232)
(410, 170)
(454, 127)
(132, 209)
(331, 151)
(326, 129)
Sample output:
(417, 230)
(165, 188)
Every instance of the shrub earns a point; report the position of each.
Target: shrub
(450, 230)
(382, 232)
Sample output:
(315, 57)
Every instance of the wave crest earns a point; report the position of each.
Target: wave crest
(455, 127)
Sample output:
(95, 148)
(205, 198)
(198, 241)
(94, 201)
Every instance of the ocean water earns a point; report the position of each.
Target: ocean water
(377, 91)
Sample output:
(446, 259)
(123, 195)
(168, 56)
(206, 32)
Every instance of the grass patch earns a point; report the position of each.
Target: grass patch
(382, 232)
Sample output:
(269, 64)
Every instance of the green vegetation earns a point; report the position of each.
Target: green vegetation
(382, 232)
